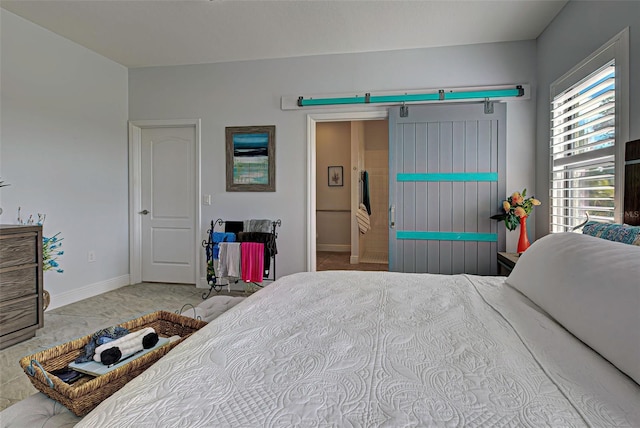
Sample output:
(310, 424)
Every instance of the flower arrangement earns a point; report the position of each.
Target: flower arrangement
(50, 252)
(50, 246)
(516, 207)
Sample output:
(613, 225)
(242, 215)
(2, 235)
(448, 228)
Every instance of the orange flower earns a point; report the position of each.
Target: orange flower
(520, 212)
(516, 207)
(517, 198)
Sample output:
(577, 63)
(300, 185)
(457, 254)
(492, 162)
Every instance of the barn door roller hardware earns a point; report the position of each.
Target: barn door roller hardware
(404, 110)
(488, 106)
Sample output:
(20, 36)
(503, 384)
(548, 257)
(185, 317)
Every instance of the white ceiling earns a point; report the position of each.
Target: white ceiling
(169, 32)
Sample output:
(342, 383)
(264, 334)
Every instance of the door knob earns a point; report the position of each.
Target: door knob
(144, 212)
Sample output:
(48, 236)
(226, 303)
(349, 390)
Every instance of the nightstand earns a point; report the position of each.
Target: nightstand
(506, 262)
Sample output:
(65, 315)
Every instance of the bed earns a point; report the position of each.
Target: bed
(362, 349)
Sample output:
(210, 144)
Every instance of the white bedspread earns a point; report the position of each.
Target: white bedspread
(364, 349)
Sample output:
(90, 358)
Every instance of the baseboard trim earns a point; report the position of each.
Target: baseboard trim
(63, 299)
(202, 283)
(342, 248)
(354, 260)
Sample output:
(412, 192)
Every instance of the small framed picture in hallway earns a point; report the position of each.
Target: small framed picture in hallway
(335, 176)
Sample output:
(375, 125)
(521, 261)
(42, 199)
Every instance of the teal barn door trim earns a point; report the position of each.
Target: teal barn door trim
(446, 236)
(448, 177)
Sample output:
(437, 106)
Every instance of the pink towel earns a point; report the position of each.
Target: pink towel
(252, 261)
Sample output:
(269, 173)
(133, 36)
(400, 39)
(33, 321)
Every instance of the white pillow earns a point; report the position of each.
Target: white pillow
(592, 287)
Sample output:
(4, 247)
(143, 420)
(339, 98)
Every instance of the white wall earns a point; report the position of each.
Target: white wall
(374, 244)
(248, 93)
(63, 148)
(580, 28)
(333, 203)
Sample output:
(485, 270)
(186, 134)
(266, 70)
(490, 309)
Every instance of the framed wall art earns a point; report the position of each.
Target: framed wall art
(335, 176)
(251, 158)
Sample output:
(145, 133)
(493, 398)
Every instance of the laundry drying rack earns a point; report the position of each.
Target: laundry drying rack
(210, 242)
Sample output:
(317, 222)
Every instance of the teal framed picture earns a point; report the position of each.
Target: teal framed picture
(251, 158)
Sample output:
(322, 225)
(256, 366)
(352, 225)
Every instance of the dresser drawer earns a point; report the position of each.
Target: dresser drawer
(18, 314)
(18, 249)
(18, 282)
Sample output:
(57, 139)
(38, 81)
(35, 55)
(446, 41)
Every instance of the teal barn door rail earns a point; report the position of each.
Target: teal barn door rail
(440, 95)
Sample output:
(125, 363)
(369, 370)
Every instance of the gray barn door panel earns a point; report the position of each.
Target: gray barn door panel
(447, 177)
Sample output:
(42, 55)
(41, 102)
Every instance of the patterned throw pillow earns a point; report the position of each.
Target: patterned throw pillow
(613, 232)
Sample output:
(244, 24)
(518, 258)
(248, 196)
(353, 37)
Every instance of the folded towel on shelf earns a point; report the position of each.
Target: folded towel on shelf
(363, 219)
(233, 226)
(220, 280)
(229, 259)
(99, 338)
(257, 226)
(219, 237)
(269, 241)
(252, 261)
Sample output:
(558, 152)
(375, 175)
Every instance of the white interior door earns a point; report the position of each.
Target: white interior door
(168, 200)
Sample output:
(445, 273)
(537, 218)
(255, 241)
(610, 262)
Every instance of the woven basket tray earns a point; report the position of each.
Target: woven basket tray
(84, 395)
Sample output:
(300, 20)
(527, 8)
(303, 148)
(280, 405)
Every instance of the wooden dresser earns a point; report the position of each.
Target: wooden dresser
(21, 309)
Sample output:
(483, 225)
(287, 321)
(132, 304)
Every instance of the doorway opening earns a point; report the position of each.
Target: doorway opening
(355, 147)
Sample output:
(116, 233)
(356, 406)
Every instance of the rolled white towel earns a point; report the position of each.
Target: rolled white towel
(129, 344)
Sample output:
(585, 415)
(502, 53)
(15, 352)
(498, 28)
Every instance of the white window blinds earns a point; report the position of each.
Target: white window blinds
(583, 119)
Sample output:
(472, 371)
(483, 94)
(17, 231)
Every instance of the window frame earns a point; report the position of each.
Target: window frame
(616, 49)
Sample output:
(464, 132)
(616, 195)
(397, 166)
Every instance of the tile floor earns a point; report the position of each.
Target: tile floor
(331, 260)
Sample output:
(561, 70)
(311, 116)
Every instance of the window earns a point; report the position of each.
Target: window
(588, 132)
(583, 151)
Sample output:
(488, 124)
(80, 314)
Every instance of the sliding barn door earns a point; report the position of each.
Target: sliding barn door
(447, 177)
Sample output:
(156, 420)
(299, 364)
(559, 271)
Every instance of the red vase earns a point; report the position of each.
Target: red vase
(523, 242)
